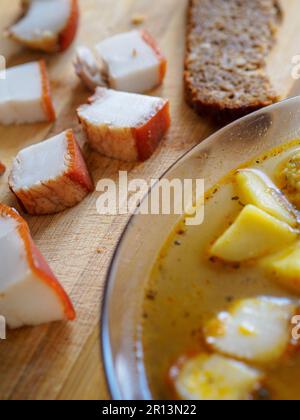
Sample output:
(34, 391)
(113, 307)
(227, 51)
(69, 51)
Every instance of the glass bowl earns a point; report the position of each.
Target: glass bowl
(144, 236)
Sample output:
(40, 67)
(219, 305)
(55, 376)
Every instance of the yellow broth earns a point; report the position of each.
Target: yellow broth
(186, 288)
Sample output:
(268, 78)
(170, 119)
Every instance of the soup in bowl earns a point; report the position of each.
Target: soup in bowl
(210, 312)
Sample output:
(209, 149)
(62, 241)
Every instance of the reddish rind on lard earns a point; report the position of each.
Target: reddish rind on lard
(46, 25)
(68, 34)
(30, 294)
(2, 168)
(51, 176)
(124, 126)
(46, 93)
(161, 58)
(130, 62)
(25, 95)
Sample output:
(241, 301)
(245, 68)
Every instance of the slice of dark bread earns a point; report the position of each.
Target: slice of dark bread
(228, 42)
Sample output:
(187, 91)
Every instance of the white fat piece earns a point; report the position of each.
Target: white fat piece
(213, 377)
(133, 65)
(91, 70)
(25, 300)
(44, 19)
(21, 95)
(255, 330)
(120, 109)
(39, 163)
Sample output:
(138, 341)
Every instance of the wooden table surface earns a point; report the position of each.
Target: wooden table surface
(62, 361)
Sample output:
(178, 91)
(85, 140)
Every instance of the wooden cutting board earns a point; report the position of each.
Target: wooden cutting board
(62, 361)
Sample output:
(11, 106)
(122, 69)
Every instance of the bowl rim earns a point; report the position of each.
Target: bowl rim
(105, 347)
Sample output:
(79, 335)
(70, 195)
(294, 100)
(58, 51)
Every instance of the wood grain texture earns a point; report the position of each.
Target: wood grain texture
(62, 361)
